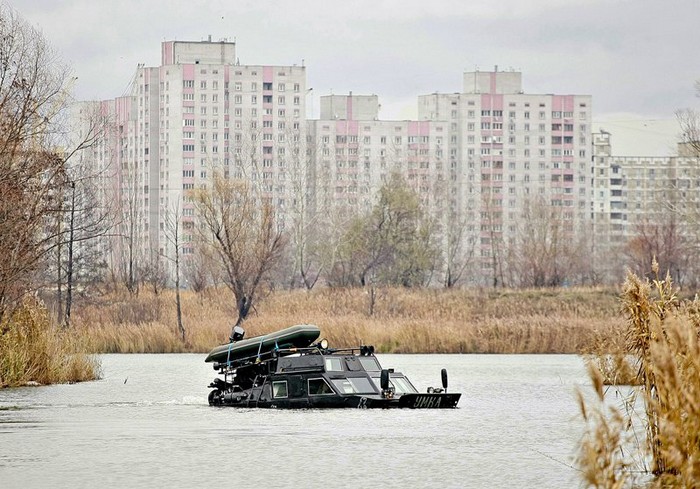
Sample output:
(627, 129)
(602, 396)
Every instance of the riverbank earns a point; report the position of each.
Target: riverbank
(571, 320)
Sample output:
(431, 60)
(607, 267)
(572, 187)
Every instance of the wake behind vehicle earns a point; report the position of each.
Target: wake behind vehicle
(288, 370)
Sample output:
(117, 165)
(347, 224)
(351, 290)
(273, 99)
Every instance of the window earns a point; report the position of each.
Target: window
(319, 387)
(370, 364)
(334, 364)
(344, 386)
(279, 389)
(401, 385)
(356, 385)
(362, 385)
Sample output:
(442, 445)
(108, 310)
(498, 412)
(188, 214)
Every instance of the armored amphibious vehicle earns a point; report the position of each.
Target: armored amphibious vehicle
(288, 370)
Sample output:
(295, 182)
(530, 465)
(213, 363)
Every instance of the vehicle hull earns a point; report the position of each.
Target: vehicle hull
(409, 401)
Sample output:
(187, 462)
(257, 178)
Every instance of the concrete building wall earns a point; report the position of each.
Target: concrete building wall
(477, 159)
(198, 113)
(631, 193)
(204, 52)
(350, 107)
(494, 82)
(509, 149)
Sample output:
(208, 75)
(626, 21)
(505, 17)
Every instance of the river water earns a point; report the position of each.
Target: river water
(147, 424)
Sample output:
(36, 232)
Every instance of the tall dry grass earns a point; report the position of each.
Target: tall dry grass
(403, 320)
(663, 334)
(34, 350)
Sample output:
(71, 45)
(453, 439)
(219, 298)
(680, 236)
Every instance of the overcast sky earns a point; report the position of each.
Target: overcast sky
(638, 59)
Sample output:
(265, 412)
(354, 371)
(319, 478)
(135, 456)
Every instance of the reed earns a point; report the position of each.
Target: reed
(403, 320)
(33, 350)
(602, 455)
(663, 335)
(611, 358)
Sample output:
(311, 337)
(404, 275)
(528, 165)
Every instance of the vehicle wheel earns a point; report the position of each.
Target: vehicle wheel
(215, 398)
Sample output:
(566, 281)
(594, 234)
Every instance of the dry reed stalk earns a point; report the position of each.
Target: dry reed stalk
(601, 455)
(33, 350)
(612, 359)
(664, 335)
(404, 320)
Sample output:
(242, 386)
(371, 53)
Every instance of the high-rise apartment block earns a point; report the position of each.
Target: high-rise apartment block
(199, 112)
(652, 198)
(477, 159)
(355, 152)
(507, 149)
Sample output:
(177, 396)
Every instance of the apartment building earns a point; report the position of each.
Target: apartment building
(477, 158)
(199, 112)
(355, 153)
(507, 149)
(636, 195)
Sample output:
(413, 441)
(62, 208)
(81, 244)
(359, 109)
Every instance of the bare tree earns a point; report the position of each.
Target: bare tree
(661, 240)
(34, 95)
(548, 249)
(492, 222)
(174, 238)
(152, 271)
(689, 122)
(239, 225)
(85, 215)
(304, 212)
(197, 270)
(459, 253)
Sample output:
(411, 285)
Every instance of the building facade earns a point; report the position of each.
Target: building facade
(198, 113)
(508, 151)
(508, 175)
(644, 205)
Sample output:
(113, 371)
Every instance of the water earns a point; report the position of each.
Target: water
(147, 424)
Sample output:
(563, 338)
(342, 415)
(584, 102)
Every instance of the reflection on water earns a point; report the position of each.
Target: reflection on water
(147, 424)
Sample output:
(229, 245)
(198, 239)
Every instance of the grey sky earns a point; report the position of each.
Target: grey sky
(638, 59)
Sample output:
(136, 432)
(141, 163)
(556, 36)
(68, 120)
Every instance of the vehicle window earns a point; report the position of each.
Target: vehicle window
(362, 385)
(334, 364)
(319, 387)
(370, 364)
(279, 388)
(344, 386)
(402, 385)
